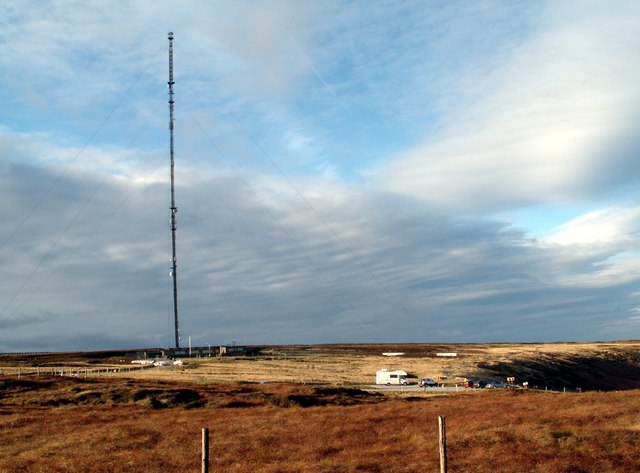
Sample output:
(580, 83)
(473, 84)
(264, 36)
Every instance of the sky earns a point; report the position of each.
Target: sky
(346, 172)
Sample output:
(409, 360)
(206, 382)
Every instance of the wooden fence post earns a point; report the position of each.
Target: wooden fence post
(442, 429)
(205, 450)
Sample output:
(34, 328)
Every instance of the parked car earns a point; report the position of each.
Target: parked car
(474, 383)
(427, 382)
(496, 385)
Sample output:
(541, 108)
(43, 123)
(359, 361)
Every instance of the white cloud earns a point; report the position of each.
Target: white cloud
(615, 271)
(613, 226)
(540, 125)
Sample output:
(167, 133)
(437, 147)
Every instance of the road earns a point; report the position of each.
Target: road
(413, 388)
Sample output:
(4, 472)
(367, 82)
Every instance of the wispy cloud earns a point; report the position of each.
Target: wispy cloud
(542, 127)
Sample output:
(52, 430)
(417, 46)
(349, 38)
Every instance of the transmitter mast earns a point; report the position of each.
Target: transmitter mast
(173, 208)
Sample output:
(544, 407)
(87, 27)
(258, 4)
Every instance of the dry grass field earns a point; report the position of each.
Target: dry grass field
(300, 409)
(600, 366)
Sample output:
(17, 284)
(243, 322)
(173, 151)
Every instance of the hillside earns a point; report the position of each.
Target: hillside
(570, 366)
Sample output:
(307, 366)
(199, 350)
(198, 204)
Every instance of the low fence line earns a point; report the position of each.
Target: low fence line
(442, 446)
(68, 371)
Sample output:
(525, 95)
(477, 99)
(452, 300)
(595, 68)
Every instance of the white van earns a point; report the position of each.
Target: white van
(385, 376)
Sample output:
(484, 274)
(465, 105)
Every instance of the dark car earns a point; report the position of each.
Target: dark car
(474, 383)
(497, 385)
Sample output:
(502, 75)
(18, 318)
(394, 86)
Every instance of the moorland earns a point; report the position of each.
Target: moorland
(309, 409)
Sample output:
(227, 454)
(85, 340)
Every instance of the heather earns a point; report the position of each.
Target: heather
(72, 425)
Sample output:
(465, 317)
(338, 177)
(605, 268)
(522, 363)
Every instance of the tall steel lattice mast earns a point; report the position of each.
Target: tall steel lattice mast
(173, 208)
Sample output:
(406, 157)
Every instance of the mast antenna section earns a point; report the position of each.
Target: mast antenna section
(173, 209)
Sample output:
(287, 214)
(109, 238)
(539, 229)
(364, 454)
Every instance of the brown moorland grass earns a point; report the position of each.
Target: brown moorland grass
(72, 425)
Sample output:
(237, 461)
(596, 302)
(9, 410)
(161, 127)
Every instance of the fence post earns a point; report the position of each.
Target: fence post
(205, 450)
(442, 429)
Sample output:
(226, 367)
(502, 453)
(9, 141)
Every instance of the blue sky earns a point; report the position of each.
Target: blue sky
(346, 172)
